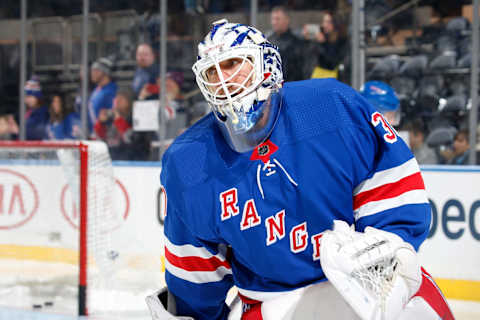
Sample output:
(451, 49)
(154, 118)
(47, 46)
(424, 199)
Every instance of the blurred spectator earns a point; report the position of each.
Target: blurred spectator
(327, 44)
(77, 105)
(173, 83)
(416, 142)
(460, 151)
(105, 90)
(64, 122)
(174, 111)
(147, 69)
(8, 127)
(291, 47)
(194, 7)
(37, 113)
(115, 128)
(197, 111)
(384, 99)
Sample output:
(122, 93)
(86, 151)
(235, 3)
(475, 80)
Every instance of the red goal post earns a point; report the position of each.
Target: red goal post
(88, 164)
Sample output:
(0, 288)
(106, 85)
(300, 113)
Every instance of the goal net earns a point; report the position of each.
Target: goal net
(56, 220)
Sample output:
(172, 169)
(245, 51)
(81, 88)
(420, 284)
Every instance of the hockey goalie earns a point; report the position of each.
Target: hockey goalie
(299, 194)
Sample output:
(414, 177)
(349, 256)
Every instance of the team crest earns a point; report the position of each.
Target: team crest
(264, 151)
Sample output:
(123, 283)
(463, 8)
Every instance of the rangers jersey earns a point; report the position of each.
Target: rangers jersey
(255, 220)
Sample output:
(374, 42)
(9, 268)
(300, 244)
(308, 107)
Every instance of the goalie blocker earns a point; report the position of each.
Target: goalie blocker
(379, 276)
(373, 275)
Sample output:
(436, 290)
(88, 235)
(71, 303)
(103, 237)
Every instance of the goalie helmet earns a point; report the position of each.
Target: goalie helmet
(240, 75)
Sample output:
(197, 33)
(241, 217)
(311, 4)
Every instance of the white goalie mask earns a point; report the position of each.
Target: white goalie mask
(240, 75)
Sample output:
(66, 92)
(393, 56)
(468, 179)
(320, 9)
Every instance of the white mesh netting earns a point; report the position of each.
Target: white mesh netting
(39, 225)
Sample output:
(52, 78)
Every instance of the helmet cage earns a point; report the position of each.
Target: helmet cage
(223, 94)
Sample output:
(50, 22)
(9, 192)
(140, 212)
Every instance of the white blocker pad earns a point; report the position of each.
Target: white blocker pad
(375, 271)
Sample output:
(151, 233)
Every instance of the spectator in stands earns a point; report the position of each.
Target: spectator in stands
(147, 69)
(174, 111)
(77, 105)
(115, 128)
(384, 99)
(4, 129)
(197, 111)
(37, 113)
(194, 7)
(8, 127)
(291, 47)
(173, 84)
(64, 122)
(105, 90)
(416, 142)
(327, 44)
(461, 149)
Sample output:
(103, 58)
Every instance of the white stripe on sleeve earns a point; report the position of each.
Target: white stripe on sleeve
(391, 175)
(410, 197)
(198, 276)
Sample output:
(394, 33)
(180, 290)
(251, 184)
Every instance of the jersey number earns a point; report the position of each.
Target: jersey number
(391, 135)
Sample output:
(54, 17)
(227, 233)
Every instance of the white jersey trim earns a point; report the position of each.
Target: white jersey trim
(198, 277)
(372, 207)
(391, 175)
(267, 295)
(188, 250)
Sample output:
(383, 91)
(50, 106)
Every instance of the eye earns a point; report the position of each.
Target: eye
(229, 64)
(211, 72)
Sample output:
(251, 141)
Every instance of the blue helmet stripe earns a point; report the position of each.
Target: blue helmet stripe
(239, 39)
(215, 29)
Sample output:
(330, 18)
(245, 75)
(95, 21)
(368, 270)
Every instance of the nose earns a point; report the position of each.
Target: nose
(227, 73)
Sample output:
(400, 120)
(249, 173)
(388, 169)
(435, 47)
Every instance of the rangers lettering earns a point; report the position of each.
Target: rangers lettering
(250, 216)
(229, 202)
(298, 238)
(316, 245)
(275, 226)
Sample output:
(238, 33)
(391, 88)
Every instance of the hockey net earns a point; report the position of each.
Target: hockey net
(56, 221)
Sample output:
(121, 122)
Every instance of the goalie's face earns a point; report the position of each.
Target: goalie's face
(229, 77)
(226, 77)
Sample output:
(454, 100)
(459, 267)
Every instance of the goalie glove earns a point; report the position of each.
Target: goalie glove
(375, 271)
(158, 303)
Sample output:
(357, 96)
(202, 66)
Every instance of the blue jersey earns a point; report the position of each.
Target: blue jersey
(144, 76)
(255, 220)
(68, 128)
(101, 98)
(36, 122)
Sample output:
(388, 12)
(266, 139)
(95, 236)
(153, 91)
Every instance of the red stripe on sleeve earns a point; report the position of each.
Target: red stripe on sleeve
(389, 190)
(192, 263)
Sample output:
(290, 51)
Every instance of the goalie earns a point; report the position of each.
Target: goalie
(254, 187)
